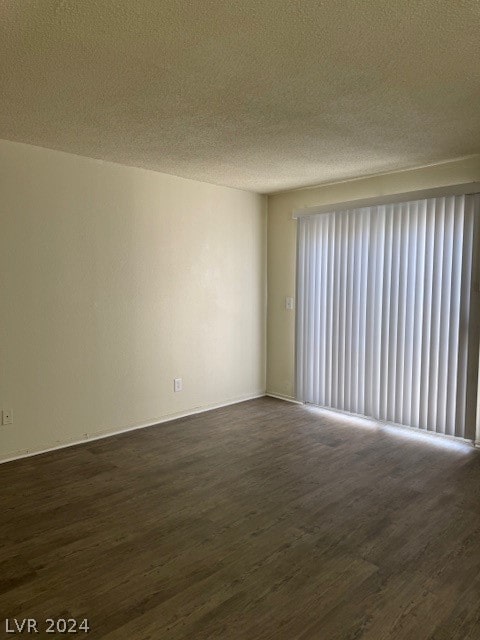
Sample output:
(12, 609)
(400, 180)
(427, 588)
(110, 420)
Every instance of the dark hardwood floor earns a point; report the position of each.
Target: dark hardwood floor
(259, 520)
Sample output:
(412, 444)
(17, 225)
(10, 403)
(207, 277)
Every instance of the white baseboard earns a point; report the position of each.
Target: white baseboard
(108, 433)
(279, 396)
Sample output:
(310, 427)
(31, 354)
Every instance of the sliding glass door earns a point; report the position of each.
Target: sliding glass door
(384, 312)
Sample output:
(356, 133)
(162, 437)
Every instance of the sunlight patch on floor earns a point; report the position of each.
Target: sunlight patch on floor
(397, 431)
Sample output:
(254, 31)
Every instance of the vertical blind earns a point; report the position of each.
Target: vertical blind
(383, 304)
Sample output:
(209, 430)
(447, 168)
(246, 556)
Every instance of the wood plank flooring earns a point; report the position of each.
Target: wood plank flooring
(263, 520)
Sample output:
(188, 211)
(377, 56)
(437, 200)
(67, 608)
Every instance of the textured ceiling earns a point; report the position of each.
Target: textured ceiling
(257, 94)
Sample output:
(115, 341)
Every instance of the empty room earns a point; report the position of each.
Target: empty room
(239, 331)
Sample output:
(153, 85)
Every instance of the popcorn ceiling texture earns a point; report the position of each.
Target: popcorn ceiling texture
(262, 95)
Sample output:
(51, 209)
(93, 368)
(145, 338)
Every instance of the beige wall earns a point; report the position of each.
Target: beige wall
(281, 250)
(114, 280)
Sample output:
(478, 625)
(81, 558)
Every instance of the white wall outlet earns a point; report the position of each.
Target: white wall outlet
(288, 303)
(7, 416)
(177, 384)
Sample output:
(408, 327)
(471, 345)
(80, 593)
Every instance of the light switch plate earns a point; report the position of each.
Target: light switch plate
(288, 303)
(7, 416)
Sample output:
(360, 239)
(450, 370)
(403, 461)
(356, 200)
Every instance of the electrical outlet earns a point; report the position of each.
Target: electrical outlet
(177, 384)
(289, 303)
(7, 416)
